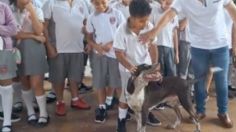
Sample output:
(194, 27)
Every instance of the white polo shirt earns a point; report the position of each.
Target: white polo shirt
(127, 41)
(69, 23)
(229, 26)
(104, 26)
(165, 38)
(121, 7)
(206, 27)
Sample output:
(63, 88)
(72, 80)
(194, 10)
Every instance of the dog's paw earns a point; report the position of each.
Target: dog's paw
(170, 126)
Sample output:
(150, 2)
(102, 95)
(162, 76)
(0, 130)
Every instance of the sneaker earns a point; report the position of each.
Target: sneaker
(231, 88)
(84, 89)
(51, 97)
(14, 117)
(80, 104)
(60, 108)
(121, 127)
(100, 115)
(152, 120)
(17, 107)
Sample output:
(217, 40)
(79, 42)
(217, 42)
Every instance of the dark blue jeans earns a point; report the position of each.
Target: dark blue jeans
(201, 60)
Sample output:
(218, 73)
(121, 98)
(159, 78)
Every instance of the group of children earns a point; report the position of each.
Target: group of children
(63, 30)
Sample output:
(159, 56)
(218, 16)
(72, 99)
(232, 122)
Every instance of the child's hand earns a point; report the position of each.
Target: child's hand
(40, 38)
(99, 49)
(176, 59)
(132, 69)
(29, 7)
(107, 47)
(88, 48)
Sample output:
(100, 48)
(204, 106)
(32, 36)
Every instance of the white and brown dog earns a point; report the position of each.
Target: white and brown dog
(146, 89)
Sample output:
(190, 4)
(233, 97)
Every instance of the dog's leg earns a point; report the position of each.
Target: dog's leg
(186, 102)
(178, 117)
(139, 121)
(144, 117)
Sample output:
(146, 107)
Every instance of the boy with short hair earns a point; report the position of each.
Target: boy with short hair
(101, 26)
(130, 52)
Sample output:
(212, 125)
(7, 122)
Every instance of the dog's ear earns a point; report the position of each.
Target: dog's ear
(130, 86)
(141, 68)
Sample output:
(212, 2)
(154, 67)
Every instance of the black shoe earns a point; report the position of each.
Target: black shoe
(14, 117)
(17, 107)
(6, 129)
(100, 115)
(121, 127)
(51, 97)
(109, 107)
(152, 120)
(231, 88)
(42, 124)
(84, 89)
(32, 122)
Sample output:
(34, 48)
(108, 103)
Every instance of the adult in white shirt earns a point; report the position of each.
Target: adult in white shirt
(208, 45)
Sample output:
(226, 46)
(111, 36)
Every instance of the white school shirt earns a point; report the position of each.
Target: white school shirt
(122, 8)
(104, 26)
(68, 24)
(229, 26)
(23, 20)
(165, 38)
(206, 27)
(127, 41)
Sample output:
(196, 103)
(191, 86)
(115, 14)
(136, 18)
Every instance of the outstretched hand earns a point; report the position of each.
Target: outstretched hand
(147, 37)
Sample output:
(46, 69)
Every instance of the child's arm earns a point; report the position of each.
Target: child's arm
(94, 45)
(176, 45)
(153, 53)
(107, 47)
(36, 23)
(120, 55)
(25, 35)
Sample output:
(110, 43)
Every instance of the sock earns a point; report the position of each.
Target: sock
(7, 102)
(75, 98)
(17, 92)
(102, 106)
(122, 113)
(109, 100)
(41, 100)
(28, 98)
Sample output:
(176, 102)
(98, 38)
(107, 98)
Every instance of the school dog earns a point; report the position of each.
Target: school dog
(146, 89)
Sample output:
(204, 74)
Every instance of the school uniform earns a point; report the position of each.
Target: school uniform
(33, 52)
(69, 39)
(105, 68)
(165, 43)
(122, 8)
(137, 53)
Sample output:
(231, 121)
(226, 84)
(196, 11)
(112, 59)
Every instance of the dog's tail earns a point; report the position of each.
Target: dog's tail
(212, 70)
